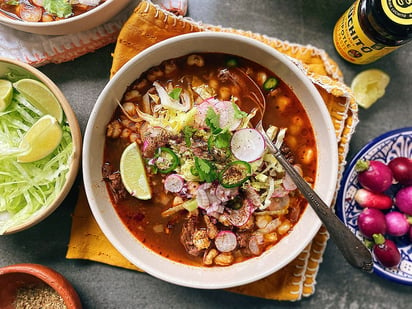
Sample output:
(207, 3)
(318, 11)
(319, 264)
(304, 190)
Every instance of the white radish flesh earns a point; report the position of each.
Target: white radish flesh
(226, 241)
(174, 183)
(247, 145)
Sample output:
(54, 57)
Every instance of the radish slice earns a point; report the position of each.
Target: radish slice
(226, 114)
(201, 112)
(247, 145)
(288, 183)
(174, 183)
(239, 217)
(226, 241)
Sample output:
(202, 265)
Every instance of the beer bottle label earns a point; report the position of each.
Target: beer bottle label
(399, 11)
(353, 44)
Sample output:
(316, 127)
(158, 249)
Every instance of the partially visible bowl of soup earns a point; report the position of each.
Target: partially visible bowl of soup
(58, 17)
(178, 178)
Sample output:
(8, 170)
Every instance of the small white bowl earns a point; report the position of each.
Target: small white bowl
(19, 68)
(201, 277)
(82, 22)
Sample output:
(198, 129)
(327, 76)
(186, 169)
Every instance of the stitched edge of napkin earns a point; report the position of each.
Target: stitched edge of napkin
(38, 50)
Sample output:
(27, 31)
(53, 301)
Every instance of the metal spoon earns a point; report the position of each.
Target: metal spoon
(351, 247)
(9, 15)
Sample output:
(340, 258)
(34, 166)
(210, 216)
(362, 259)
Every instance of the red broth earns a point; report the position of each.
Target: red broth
(230, 77)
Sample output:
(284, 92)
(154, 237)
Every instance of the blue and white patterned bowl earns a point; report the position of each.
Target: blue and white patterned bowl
(384, 148)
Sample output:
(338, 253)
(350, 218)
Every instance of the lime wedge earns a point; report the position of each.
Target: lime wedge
(6, 93)
(41, 139)
(40, 97)
(133, 173)
(368, 86)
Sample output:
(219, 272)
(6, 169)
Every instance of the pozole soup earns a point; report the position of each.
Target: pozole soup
(186, 172)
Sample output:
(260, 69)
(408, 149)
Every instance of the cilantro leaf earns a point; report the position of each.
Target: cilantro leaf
(188, 132)
(175, 93)
(212, 121)
(206, 169)
(222, 140)
(238, 113)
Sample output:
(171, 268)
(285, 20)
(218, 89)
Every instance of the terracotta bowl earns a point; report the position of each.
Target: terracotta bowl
(15, 277)
(82, 22)
(23, 69)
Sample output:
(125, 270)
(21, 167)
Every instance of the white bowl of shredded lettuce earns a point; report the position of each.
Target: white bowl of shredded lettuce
(29, 192)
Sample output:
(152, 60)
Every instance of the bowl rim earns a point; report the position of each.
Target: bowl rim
(225, 281)
(71, 119)
(341, 197)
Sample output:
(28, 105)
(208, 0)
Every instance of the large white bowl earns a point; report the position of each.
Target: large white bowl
(202, 277)
(82, 22)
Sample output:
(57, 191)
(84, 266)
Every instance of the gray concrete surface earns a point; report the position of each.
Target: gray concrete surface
(338, 284)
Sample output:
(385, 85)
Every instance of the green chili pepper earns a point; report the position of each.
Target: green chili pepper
(232, 62)
(270, 83)
(166, 160)
(234, 174)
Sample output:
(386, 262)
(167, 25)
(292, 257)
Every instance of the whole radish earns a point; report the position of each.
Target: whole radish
(403, 200)
(401, 168)
(371, 221)
(410, 233)
(386, 251)
(369, 199)
(396, 223)
(374, 175)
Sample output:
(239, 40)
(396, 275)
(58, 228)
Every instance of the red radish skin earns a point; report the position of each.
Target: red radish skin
(371, 221)
(401, 168)
(396, 223)
(369, 199)
(386, 251)
(374, 175)
(403, 200)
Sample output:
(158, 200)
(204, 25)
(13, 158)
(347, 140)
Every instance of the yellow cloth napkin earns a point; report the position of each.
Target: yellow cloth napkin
(148, 25)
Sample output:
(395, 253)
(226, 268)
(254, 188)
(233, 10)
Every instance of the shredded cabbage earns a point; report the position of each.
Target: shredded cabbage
(171, 120)
(26, 188)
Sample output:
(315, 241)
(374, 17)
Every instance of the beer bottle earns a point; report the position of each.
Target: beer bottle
(371, 29)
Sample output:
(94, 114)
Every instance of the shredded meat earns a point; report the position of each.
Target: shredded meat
(153, 138)
(114, 180)
(186, 237)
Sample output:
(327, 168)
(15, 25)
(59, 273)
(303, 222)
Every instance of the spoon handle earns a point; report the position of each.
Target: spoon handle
(351, 247)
